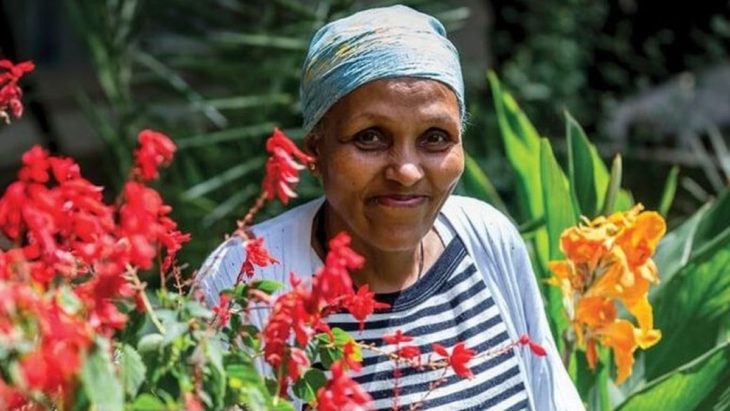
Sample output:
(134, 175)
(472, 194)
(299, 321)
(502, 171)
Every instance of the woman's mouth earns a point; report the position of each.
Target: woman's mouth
(398, 200)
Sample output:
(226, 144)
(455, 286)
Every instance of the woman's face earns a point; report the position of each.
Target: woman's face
(389, 154)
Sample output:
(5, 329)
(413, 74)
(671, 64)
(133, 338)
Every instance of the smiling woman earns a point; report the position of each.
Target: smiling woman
(382, 100)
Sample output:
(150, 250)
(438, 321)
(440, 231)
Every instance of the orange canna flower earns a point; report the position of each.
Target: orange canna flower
(608, 260)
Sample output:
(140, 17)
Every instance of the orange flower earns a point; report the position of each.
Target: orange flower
(608, 260)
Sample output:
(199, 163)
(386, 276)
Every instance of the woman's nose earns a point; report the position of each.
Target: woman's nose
(405, 170)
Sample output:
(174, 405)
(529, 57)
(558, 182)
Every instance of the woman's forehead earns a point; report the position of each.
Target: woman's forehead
(385, 98)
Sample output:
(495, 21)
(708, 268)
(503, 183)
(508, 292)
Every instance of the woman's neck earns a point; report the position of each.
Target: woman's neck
(384, 271)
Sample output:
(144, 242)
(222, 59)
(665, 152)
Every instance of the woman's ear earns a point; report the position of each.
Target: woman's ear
(311, 147)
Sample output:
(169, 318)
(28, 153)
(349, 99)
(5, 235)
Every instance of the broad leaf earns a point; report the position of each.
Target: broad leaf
(583, 185)
(100, 384)
(559, 215)
(478, 185)
(132, 369)
(690, 308)
(697, 385)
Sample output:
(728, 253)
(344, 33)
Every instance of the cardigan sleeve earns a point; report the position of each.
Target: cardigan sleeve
(501, 255)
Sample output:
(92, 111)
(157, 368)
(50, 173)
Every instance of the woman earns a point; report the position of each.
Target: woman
(383, 104)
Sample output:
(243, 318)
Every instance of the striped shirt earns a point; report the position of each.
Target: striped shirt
(451, 303)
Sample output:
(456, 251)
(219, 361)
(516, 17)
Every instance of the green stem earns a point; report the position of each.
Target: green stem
(603, 381)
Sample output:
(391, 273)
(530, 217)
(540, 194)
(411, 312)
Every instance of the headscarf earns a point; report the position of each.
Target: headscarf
(375, 44)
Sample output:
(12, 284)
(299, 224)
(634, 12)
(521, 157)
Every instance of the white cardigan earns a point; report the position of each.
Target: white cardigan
(490, 238)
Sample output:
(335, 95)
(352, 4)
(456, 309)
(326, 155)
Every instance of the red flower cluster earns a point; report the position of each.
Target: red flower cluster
(301, 311)
(256, 254)
(10, 93)
(155, 149)
(342, 393)
(282, 172)
(69, 266)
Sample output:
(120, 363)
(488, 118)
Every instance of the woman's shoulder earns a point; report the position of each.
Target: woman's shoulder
(282, 233)
(468, 212)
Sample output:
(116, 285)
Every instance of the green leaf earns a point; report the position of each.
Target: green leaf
(150, 343)
(690, 308)
(216, 386)
(559, 215)
(614, 185)
(231, 134)
(307, 386)
(260, 40)
(132, 369)
(148, 402)
(716, 220)
(522, 146)
(478, 185)
(675, 249)
(100, 384)
(559, 211)
(224, 178)
(588, 178)
(690, 387)
(267, 286)
(670, 189)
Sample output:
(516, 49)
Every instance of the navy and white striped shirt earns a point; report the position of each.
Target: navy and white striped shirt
(449, 304)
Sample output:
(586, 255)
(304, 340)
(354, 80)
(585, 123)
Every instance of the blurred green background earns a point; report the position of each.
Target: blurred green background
(648, 79)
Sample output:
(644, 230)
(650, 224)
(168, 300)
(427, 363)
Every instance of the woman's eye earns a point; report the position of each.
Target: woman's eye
(436, 139)
(370, 138)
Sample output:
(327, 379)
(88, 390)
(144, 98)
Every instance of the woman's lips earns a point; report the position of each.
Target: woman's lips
(397, 200)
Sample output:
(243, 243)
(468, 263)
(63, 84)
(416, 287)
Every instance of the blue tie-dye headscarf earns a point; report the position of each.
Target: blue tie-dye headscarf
(375, 44)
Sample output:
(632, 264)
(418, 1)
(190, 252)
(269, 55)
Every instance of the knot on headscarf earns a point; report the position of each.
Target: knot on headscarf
(375, 44)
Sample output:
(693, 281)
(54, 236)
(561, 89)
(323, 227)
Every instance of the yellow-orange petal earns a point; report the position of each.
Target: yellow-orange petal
(595, 312)
(641, 309)
(620, 337)
(591, 354)
(640, 239)
(646, 339)
(582, 244)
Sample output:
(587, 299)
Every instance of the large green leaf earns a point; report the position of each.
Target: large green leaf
(689, 309)
(697, 385)
(559, 215)
(100, 384)
(583, 185)
(559, 211)
(478, 185)
(522, 146)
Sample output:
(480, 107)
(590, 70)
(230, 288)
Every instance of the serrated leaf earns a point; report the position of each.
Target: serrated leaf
(306, 387)
(100, 384)
(132, 369)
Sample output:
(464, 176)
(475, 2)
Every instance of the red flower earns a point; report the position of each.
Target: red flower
(282, 172)
(155, 149)
(397, 338)
(256, 254)
(297, 361)
(342, 393)
(409, 351)
(458, 359)
(350, 356)
(362, 304)
(222, 310)
(10, 93)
